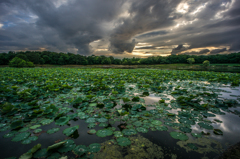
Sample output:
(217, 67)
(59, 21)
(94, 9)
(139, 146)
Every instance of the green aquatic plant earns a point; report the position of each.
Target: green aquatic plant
(21, 136)
(217, 131)
(92, 131)
(46, 121)
(35, 126)
(95, 147)
(80, 150)
(53, 130)
(69, 131)
(205, 125)
(156, 122)
(104, 133)
(62, 121)
(16, 124)
(55, 146)
(129, 132)
(123, 141)
(69, 145)
(179, 135)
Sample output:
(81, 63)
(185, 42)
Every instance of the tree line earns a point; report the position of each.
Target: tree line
(53, 58)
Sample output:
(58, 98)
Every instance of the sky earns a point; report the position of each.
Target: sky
(121, 28)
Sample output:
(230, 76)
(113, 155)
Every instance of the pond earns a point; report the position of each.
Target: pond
(116, 113)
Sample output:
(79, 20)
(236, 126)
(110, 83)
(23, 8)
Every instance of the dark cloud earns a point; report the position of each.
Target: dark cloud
(202, 52)
(216, 51)
(72, 25)
(178, 49)
(151, 34)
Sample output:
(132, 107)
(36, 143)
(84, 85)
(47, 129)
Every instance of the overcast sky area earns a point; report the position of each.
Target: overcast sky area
(121, 28)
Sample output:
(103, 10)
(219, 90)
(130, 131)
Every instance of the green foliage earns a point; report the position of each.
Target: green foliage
(190, 60)
(17, 62)
(123, 141)
(206, 63)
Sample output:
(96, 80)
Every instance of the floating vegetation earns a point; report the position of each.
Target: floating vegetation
(116, 101)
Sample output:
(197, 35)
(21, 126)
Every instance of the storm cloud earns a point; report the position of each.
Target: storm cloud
(118, 26)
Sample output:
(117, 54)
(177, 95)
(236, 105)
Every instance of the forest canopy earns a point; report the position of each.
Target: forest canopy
(53, 58)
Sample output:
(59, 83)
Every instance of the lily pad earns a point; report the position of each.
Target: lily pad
(192, 146)
(185, 129)
(55, 146)
(102, 120)
(179, 135)
(103, 125)
(42, 153)
(10, 134)
(217, 131)
(53, 130)
(92, 131)
(16, 124)
(142, 130)
(118, 134)
(62, 121)
(46, 121)
(123, 141)
(55, 155)
(21, 136)
(196, 135)
(91, 125)
(129, 132)
(161, 128)
(137, 123)
(91, 120)
(69, 131)
(35, 126)
(80, 150)
(104, 132)
(37, 131)
(69, 145)
(95, 147)
(156, 122)
(23, 129)
(206, 126)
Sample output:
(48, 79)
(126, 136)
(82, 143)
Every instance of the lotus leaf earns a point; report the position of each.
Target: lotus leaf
(90, 120)
(26, 141)
(192, 146)
(53, 130)
(103, 125)
(21, 136)
(206, 126)
(161, 128)
(179, 135)
(92, 131)
(104, 132)
(69, 131)
(156, 122)
(2, 125)
(93, 104)
(118, 134)
(123, 141)
(42, 153)
(196, 135)
(46, 121)
(33, 138)
(69, 145)
(91, 125)
(141, 129)
(16, 124)
(55, 146)
(80, 150)
(55, 155)
(186, 121)
(129, 132)
(10, 134)
(35, 126)
(102, 120)
(23, 129)
(62, 121)
(217, 131)
(137, 123)
(95, 147)
(37, 131)
(185, 129)
(27, 155)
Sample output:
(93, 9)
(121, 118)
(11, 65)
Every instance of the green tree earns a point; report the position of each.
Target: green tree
(41, 61)
(206, 63)
(190, 60)
(18, 62)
